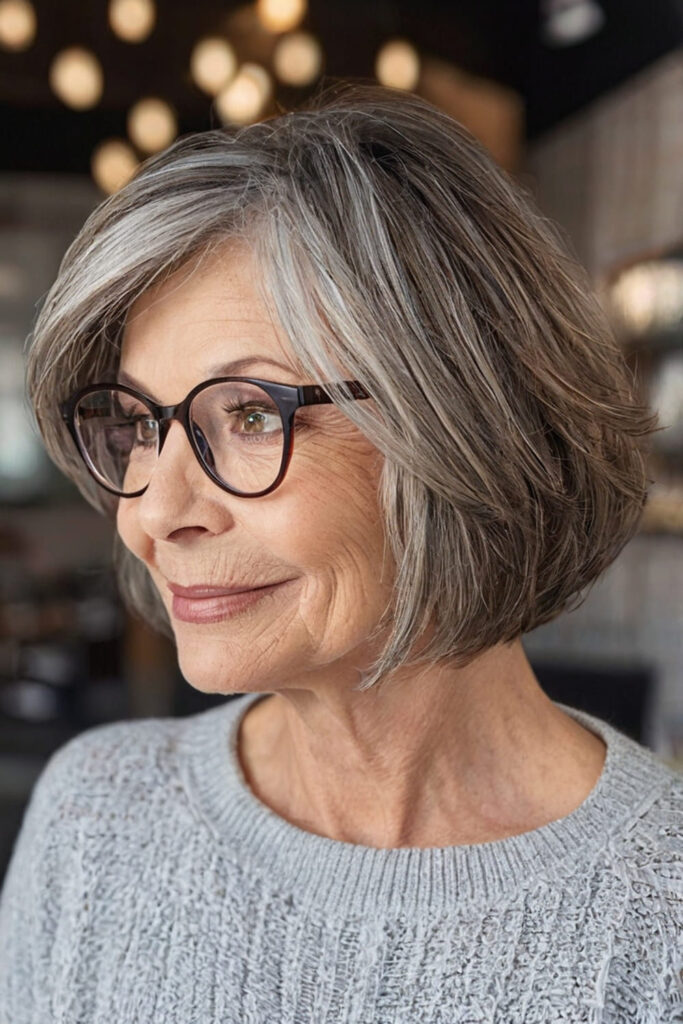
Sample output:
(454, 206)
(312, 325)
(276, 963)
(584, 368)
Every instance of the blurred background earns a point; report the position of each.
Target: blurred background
(581, 100)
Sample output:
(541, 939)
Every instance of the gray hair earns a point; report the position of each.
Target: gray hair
(394, 247)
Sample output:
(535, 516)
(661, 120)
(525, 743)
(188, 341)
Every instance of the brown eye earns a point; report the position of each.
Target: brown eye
(254, 420)
(146, 430)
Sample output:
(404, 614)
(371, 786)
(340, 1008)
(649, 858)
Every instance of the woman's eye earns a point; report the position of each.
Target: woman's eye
(254, 420)
(146, 430)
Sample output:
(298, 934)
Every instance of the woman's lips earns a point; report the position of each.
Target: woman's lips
(205, 590)
(211, 604)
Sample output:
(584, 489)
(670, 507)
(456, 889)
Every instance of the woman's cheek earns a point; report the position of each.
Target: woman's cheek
(129, 530)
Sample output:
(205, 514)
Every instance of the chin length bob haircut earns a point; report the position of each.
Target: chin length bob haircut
(396, 252)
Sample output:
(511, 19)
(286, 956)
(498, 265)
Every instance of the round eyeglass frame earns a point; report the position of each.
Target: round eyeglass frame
(287, 397)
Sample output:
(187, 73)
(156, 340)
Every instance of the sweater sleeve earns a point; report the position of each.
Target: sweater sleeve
(667, 883)
(646, 971)
(30, 895)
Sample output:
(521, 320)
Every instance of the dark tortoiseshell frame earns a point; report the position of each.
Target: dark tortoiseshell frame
(287, 397)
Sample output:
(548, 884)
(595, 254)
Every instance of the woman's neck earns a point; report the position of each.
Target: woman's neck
(447, 758)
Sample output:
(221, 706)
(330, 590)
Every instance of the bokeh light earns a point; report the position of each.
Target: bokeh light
(297, 58)
(76, 77)
(132, 20)
(280, 15)
(152, 124)
(397, 64)
(244, 98)
(113, 164)
(212, 64)
(17, 24)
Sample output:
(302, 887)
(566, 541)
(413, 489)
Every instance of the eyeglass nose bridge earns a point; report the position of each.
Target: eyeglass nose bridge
(166, 414)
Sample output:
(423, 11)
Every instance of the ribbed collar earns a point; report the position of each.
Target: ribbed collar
(347, 878)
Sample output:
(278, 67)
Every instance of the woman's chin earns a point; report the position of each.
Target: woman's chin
(207, 671)
(211, 666)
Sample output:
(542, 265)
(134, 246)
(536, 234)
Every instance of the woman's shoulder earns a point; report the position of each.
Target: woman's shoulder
(113, 765)
(102, 751)
(655, 835)
(646, 864)
(640, 798)
(649, 849)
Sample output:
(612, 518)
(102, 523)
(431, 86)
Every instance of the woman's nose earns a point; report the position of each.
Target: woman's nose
(177, 481)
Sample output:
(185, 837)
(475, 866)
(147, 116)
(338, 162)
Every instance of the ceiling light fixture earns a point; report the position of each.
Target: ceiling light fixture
(647, 297)
(567, 22)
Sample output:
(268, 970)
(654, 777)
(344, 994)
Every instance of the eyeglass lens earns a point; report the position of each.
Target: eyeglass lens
(237, 428)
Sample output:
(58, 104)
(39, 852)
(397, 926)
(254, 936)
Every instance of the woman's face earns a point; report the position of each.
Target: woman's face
(320, 529)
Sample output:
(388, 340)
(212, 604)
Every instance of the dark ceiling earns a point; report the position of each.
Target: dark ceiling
(499, 39)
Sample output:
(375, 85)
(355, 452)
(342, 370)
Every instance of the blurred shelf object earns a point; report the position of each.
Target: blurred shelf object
(494, 113)
(630, 617)
(45, 538)
(620, 694)
(61, 626)
(663, 512)
(611, 173)
(644, 299)
(149, 668)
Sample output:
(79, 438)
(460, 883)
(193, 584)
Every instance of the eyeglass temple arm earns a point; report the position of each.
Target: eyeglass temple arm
(315, 394)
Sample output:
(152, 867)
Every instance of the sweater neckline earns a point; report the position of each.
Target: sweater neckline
(349, 878)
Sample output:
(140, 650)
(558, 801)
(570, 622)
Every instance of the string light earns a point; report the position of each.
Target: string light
(260, 76)
(113, 164)
(76, 77)
(132, 20)
(17, 24)
(152, 124)
(297, 58)
(212, 64)
(280, 15)
(397, 64)
(244, 98)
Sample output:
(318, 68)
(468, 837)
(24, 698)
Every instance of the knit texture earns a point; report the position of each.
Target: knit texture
(149, 885)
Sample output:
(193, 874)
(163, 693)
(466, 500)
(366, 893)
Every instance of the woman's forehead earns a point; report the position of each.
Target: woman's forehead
(151, 361)
(212, 308)
(223, 283)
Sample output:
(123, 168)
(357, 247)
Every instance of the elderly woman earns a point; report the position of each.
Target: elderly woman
(361, 425)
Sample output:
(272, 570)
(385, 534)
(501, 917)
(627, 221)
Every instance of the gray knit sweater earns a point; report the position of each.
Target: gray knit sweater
(149, 884)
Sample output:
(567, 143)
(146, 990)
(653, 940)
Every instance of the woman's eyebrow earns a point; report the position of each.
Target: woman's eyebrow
(234, 367)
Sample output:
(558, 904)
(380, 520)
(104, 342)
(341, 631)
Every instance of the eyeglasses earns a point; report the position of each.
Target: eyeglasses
(239, 428)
